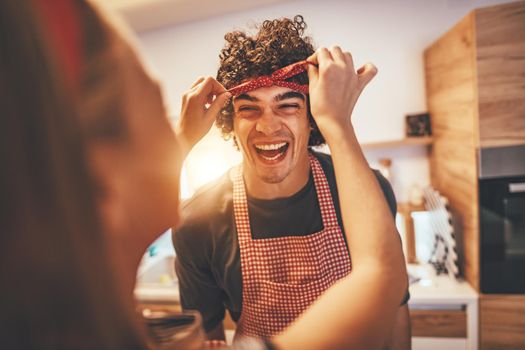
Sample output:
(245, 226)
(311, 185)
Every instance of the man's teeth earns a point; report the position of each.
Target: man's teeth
(270, 147)
(271, 158)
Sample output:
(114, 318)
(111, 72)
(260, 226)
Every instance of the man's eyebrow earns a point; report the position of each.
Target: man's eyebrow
(246, 97)
(289, 94)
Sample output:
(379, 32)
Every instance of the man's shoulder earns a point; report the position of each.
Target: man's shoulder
(325, 159)
(327, 165)
(208, 208)
(326, 162)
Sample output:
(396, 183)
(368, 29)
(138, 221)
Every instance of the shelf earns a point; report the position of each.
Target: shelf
(409, 141)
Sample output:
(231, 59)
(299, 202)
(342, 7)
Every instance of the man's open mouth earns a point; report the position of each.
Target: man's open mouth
(271, 152)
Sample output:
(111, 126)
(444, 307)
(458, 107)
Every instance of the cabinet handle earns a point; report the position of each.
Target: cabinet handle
(517, 187)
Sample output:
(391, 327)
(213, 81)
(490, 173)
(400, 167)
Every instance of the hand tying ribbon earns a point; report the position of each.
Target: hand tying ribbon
(277, 78)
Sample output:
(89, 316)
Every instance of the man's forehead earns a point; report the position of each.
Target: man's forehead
(275, 93)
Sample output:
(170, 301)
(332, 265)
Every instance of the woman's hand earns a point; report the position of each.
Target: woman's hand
(335, 87)
(200, 105)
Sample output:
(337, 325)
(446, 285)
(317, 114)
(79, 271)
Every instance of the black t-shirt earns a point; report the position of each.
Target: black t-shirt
(208, 263)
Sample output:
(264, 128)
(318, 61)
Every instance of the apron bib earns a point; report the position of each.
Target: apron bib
(282, 276)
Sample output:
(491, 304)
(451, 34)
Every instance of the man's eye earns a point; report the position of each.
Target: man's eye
(289, 106)
(246, 108)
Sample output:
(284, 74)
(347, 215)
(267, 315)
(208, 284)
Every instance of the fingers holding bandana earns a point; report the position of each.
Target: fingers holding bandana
(335, 87)
(200, 105)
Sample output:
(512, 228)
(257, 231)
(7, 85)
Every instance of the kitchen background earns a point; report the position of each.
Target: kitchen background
(181, 40)
(390, 33)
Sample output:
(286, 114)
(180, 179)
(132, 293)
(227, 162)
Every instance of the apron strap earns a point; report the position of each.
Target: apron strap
(240, 206)
(324, 194)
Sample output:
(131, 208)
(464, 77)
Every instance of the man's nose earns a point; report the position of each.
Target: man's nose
(268, 123)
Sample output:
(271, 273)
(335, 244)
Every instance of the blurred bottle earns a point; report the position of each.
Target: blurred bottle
(415, 195)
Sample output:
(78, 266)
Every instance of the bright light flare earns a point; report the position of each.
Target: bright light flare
(210, 158)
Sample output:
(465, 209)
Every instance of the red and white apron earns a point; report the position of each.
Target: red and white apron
(282, 276)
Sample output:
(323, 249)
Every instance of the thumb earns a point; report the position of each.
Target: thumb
(366, 73)
(313, 73)
(313, 69)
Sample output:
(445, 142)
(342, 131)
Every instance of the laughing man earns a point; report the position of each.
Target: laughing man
(266, 239)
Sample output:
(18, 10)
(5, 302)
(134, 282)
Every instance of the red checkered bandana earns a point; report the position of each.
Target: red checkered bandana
(277, 78)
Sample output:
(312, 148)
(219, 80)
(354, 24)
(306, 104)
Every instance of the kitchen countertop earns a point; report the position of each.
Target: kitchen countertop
(429, 290)
(432, 289)
(158, 293)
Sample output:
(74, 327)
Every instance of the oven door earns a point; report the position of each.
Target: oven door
(502, 235)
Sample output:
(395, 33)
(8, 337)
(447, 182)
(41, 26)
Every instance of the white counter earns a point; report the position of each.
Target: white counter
(432, 289)
(444, 293)
(157, 293)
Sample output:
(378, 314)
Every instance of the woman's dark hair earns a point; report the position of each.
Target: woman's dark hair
(278, 43)
(58, 291)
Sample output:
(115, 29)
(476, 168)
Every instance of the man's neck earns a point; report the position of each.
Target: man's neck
(296, 180)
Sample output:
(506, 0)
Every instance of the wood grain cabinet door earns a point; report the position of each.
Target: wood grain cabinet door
(502, 322)
(500, 56)
(439, 323)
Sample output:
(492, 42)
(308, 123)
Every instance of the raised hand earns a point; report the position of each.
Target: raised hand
(334, 89)
(200, 105)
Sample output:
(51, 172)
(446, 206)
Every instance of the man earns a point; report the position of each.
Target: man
(266, 239)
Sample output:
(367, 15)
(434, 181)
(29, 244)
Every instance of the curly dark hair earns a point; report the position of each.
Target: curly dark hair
(278, 43)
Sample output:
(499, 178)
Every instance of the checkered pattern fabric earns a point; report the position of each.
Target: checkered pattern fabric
(283, 276)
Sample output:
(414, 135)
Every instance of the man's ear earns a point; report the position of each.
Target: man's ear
(108, 179)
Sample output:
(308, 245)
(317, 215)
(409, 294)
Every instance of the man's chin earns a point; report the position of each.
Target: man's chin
(274, 172)
(272, 178)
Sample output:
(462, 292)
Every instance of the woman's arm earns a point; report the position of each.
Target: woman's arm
(359, 310)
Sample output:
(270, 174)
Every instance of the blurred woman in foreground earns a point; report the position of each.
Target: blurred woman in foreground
(90, 175)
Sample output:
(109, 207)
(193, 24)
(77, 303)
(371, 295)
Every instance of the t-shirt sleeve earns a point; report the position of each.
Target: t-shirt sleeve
(406, 298)
(388, 192)
(197, 286)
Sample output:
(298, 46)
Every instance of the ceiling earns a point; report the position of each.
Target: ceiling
(145, 15)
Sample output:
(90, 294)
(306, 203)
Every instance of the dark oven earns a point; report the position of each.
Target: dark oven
(502, 219)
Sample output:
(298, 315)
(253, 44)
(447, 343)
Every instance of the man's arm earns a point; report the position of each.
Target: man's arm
(197, 286)
(198, 290)
(401, 334)
(401, 338)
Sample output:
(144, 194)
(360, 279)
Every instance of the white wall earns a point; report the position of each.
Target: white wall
(390, 33)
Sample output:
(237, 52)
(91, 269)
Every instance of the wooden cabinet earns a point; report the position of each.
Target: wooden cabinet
(502, 321)
(439, 323)
(439, 329)
(475, 88)
(475, 78)
(500, 64)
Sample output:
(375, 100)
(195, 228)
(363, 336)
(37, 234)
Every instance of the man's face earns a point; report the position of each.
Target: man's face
(272, 129)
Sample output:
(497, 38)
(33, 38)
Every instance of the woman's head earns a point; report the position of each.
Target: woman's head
(131, 145)
(89, 177)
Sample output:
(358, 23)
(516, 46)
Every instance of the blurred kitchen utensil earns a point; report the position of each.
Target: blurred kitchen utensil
(171, 330)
